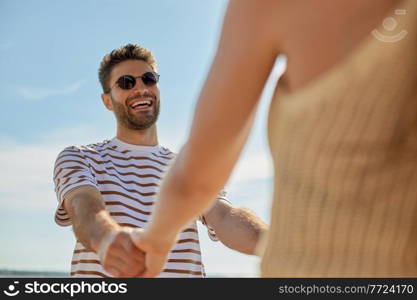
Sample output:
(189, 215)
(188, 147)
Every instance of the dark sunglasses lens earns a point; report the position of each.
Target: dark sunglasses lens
(126, 82)
(149, 78)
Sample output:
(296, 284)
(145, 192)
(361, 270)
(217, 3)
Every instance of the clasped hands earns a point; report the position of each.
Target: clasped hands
(131, 252)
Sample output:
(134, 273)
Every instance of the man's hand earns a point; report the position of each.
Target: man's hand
(119, 255)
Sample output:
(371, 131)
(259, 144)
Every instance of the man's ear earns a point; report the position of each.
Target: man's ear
(107, 101)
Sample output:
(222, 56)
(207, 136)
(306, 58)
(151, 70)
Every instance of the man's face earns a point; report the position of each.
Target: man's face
(124, 103)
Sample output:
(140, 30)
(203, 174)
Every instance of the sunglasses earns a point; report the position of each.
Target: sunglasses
(127, 82)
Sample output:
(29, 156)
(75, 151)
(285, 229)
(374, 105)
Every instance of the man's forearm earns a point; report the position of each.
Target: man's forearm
(239, 229)
(90, 220)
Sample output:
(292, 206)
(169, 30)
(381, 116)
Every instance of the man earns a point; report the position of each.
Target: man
(106, 190)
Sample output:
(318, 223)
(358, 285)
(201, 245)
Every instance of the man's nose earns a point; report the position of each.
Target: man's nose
(139, 91)
(140, 86)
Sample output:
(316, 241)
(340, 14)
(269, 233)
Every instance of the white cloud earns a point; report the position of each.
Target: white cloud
(26, 180)
(37, 93)
(26, 177)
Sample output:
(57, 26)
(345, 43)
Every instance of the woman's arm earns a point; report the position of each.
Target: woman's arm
(222, 121)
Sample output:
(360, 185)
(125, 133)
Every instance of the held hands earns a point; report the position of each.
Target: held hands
(119, 256)
(156, 251)
(131, 252)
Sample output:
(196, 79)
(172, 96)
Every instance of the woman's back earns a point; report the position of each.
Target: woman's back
(343, 137)
(317, 35)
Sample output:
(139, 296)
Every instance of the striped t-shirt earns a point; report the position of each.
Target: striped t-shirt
(128, 177)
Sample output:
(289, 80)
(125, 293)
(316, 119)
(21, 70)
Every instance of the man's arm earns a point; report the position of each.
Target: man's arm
(237, 228)
(96, 230)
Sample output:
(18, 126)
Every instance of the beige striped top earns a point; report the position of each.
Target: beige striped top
(128, 177)
(344, 149)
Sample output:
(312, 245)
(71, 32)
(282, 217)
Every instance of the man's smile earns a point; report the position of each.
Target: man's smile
(142, 103)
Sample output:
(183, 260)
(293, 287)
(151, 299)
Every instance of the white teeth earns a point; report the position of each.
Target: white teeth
(140, 103)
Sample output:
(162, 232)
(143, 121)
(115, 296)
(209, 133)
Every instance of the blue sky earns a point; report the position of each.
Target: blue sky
(50, 98)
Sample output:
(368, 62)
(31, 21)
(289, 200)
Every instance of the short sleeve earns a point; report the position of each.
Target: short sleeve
(210, 231)
(71, 170)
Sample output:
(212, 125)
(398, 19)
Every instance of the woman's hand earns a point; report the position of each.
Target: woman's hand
(156, 250)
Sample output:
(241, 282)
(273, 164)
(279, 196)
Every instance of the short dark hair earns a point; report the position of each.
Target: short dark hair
(127, 52)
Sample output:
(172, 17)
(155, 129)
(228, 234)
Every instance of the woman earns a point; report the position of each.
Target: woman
(342, 133)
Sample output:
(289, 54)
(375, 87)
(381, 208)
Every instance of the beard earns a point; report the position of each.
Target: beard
(137, 121)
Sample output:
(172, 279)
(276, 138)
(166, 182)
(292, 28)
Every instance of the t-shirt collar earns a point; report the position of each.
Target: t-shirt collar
(135, 148)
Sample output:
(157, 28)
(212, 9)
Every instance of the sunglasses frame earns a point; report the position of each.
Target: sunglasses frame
(135, 80)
